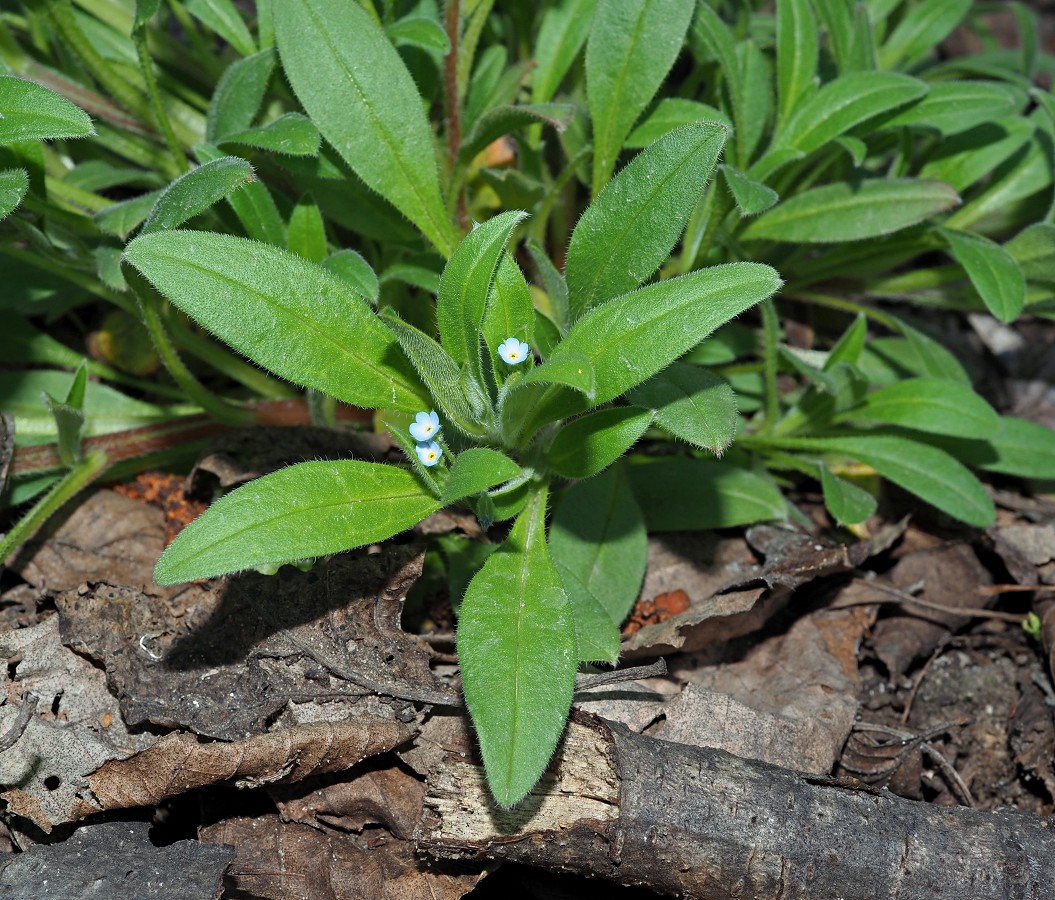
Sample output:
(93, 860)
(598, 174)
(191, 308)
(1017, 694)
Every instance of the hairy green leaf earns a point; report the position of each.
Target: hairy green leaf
(954, 106)
(561, 35)
(929, 473)
(797, 54)
(671, 113)
(593, 442)
(196, 191)
(516, 645)
(923, 27)
(308, 509)
(678, 494)
(252, 203)
(935, 405)
(29, 112)
(465, 285)
(475, 470)
(992, 270)
(752, 197)
(291, 134)
(844, 103)
(600, 549)
(630, 229)
(842, 211)
(632, 45)
(13, 186)
(356, 272)
(1018, 447)
(222, 17)
(848, 503)
(283, 312)
(238, 95)
(692, 404)
(441, 374)
(357, 90)
(510, 312)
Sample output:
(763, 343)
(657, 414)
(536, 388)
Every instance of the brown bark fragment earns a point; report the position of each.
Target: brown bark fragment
(703, 824)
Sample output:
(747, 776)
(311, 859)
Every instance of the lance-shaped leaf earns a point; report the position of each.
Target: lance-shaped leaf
(842, 212)
(465, 285)
(929, 473)
(510, 312)
(1033, 249)
(196, 191)
(291, 134)
(501, 120)
(252, 203)
(357, 90)
(934, 405)
(632, 45)
(600, 549)
(970, 156)
(993, 272)
(222, 17)
(475, 470)
(629, 230)
(752, 197)
(560, 37)
(283, 312)
(305, 510)
(846, 102)
(954, 106)
(306, 235)
(848, 503)
(238, 95)
(631, 338)
(1018, 447)
(678, 494)
(356, 272)
(13, 186)
(516, 647)
(797, 49)
(29, 112)
(692, 404)
(923, 27)
(593, 442)
(671, 113)
(465, 409)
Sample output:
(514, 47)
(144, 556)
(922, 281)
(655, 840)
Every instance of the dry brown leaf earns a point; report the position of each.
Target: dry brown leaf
(179, 762)
(744, 596)
(377, 792)
(107, 537)
(951, 576)
(790, 700)
(275, 860)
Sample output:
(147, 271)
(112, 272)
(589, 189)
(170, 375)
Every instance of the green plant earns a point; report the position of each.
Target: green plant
(650, 167)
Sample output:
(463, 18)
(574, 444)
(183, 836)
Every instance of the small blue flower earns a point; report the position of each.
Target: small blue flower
(429, 453)
(424, 426)
(513, 351)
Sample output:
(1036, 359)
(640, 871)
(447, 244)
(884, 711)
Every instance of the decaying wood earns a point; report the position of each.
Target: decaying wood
(703, 824)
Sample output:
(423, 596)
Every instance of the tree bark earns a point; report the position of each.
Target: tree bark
(704, 824)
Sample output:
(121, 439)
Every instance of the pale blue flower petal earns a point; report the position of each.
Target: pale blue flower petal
(424, 426)
(513, 351)
(429, 453)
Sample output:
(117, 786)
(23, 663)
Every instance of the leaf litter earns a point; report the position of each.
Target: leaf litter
(308, 722)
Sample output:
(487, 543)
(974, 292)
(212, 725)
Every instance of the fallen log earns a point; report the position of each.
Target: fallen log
(704, 824)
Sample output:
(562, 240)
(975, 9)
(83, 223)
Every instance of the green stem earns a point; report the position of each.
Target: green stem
(539, 222)
(161, 116)
(843, 305)
(80, 476)
(770, 340)
(149, 305)
(228, 364)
